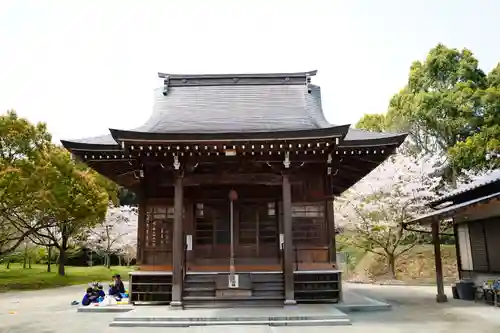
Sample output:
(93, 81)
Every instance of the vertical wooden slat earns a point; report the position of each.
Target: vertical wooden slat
(141, 231)
(257, 230)
(457, 250)
(177, 249)
(330, 220)
(288, 248)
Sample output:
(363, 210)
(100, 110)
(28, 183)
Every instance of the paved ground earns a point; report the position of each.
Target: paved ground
(414, 310)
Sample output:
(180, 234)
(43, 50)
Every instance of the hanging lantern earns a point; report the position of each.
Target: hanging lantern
(233, 195)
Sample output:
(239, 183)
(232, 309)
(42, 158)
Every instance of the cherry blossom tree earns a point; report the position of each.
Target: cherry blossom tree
(114, 233)
(376, 208)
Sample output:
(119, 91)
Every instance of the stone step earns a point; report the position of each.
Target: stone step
(257, 278)
(231, 298)
(198, 280)
(204, 293)
(232, 304)
(268, 286)
(269, 293)
(195, 288)
(168, 323)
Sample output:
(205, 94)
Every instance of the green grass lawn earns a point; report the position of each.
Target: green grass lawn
(17, 278)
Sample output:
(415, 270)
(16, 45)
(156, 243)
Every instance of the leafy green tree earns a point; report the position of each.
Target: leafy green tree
(374, 122)
(74, 198)
(450, 109)
(20, 144)
(481, 150)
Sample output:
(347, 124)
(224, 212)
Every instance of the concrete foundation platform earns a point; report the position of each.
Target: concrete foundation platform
(300, 315)
(105, 309)
(354, 302)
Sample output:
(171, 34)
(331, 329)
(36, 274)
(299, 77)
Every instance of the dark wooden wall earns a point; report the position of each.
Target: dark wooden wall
(257, 220)
(485, 245)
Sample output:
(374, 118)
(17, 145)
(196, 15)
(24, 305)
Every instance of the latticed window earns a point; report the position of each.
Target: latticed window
(158, 226)
(308, 210)
(308, 223)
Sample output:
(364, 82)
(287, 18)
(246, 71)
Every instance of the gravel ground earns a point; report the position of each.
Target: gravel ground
(414, 310)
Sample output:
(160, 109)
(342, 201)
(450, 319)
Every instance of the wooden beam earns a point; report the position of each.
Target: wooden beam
(202, 179)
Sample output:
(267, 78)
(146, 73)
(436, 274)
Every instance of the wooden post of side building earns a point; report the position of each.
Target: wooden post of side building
(288, 242)
(177, 245)
(441, 296)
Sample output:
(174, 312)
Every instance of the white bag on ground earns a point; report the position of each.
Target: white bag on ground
(108, 300)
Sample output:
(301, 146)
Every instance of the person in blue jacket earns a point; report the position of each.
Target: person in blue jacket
(90, 297)
(100, 292)
(117, 288)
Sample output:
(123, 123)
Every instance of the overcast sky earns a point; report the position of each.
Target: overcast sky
(86, 66)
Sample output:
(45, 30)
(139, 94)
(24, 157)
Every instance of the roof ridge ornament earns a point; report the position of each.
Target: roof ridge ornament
(166, 83)
(308, 83)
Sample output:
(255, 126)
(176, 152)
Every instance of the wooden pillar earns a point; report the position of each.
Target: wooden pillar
(141, 230)
(288, 242)
(189, 229)
(177, 245)
(330, 220)
(441, 296)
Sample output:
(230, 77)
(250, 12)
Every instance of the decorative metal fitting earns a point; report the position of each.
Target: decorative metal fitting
(177, 164)
(286, 162)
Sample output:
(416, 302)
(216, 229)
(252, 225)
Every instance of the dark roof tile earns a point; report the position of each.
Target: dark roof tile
(233, 108)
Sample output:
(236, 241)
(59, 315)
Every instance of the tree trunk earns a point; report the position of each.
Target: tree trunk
(29, 262)
(119, 260)
(49, 258)
(391, 261)
(108, 261)
(8, 264)
(25, 257)
(454, 178)
(62, 254)
(62, 261)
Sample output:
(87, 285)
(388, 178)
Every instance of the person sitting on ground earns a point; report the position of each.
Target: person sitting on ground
(117, 288)
(98, 289)
(100, 292)
(90, 297)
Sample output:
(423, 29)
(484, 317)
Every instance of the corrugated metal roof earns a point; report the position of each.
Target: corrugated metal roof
(489, 178)
(451, 210)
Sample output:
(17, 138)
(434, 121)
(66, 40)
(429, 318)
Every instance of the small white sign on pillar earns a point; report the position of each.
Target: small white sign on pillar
(282, 241)
(234, 281)
(189, 242)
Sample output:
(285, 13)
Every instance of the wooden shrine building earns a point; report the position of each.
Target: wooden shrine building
(236, 176)
(474, 213)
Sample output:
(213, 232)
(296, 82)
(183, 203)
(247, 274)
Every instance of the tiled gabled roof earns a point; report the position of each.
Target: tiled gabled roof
(249, 103)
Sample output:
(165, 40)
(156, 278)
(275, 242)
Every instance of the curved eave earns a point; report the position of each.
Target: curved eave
(395, 140)
(475, 189)
(453, 210)
(132, 136)
(81, 146)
